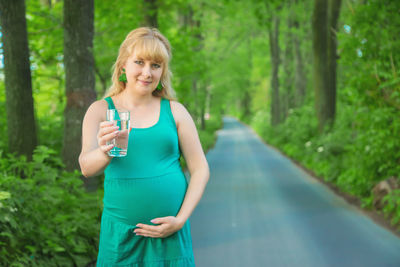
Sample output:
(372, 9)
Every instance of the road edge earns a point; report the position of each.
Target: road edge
(374, 215)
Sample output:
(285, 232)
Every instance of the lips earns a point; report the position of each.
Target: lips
(144, 82)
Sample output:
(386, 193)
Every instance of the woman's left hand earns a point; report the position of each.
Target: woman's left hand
(166, 227)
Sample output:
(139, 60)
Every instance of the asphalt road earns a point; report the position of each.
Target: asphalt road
(259, 209)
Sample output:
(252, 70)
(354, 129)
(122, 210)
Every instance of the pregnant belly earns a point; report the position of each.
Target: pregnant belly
(134, 201)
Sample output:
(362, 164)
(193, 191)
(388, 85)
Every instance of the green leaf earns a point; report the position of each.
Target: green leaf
(4, 195)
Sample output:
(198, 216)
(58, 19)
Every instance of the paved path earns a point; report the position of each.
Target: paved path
(259, 209)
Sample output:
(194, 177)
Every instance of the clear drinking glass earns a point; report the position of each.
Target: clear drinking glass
(120, 118)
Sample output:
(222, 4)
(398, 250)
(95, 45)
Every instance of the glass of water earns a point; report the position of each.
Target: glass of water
(120, 118)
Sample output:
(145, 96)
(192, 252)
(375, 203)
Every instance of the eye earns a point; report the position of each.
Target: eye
(139, 62)
(156, 66)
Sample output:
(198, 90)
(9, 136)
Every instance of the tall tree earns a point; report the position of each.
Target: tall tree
(246, 98)
(199, 93)
(287, 95)
(275, 60)
(22, 137)
(320, 68)
(150, 13)
(326, 13)
(299, 77)
(190, 22)
(79, 74)
(334, 11)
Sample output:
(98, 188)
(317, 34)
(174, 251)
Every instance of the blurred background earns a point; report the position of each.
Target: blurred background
(317, 79)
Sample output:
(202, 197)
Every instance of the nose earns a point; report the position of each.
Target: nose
(146, 71)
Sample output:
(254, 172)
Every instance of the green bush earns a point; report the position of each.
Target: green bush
(208, 135)
(392, 209)
(46, 217)
(374, 152)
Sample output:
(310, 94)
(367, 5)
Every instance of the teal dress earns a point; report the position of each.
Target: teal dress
(145, 184)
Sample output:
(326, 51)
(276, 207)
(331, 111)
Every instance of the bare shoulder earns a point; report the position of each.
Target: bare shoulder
(180, 113)
(99, 104)
(177, 107)
(97, 110)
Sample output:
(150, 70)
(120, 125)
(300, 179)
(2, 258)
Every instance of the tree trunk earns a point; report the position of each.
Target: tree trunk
(22, 138)
(203, 113)
(334, 11)
(325, 17)
(79, 74)
(287, 96)
(150, 13)
(300, 76)
(246, 97)
(195, 97)
(199, 94)
(320, 66)
(246, 104)
(274, 48)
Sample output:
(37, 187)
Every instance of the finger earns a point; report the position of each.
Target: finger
(104, 124)
(107, 137)
(147, 233)
(148, 227)
(158, 220)
(110, 136)
(106, 148)
(161, 220)
(106, 127)
(148, 230)
(107, 130)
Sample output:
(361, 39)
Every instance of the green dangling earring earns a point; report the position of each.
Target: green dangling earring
(122, 77)
(159, 86)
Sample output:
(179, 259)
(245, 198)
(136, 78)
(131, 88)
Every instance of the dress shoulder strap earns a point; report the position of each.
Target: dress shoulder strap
(168, 112)
(111, 106)
(110, 102)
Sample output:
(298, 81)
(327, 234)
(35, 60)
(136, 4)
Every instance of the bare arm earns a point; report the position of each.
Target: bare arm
(196, 161)
(95, 133)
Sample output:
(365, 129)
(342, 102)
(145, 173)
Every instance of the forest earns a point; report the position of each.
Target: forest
(317, 79)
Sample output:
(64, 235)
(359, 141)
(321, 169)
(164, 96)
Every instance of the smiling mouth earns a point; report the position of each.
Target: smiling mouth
(144, 82)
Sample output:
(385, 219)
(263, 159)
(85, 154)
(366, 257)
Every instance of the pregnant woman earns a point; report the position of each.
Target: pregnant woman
(147, 201)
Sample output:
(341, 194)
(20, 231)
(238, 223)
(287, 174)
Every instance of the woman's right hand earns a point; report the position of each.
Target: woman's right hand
(107, 132)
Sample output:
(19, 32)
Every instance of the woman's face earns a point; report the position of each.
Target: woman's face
(143, 75)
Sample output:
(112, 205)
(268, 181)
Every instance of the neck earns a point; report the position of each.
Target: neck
(131, 100)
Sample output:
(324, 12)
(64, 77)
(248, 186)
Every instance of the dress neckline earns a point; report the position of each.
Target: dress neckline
(150, 127)
(154, 125)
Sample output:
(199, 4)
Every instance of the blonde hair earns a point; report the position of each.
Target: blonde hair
(147, 43)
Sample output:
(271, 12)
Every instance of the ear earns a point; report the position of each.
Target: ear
(124, 65)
